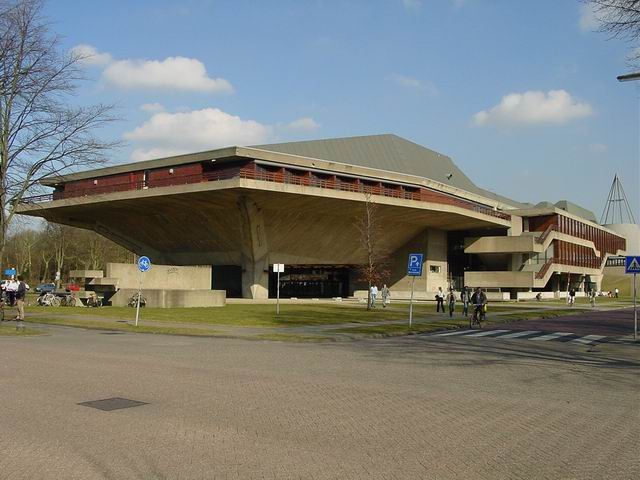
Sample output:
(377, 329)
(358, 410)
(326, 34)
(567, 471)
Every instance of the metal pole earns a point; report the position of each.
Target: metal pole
(635, 310)
(278, 294)
(138, 302)
(413, 280)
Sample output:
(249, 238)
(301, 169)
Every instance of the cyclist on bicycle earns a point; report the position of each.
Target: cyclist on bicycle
(479, 300)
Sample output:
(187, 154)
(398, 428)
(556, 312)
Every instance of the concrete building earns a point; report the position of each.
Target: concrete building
(242, 209)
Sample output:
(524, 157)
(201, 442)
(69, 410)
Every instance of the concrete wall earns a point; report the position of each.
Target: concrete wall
(162, 277)
(165, 298)
(499, 279)
(631, 231)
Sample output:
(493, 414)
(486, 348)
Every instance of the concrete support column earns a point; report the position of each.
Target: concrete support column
(255, 251)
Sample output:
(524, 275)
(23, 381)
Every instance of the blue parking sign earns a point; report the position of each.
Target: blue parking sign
(414, 268)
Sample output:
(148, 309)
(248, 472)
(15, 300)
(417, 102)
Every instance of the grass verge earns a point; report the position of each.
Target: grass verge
(123, 327)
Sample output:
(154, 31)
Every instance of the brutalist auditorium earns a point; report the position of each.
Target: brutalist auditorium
(243, 209)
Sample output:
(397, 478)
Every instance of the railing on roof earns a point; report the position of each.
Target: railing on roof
(303, 179)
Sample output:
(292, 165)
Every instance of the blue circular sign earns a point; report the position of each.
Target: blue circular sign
(144, 264)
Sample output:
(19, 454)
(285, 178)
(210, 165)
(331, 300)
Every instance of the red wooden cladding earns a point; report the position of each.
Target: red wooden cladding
(209, 171)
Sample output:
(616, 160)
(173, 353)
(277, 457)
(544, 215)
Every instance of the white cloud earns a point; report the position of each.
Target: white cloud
(588, 20)
(167, 133)
(172, 73)
(414, 83)
(152, 107)
(598, 148)
(534, 107)
(89, 55)
(412, 3)
(305, 124)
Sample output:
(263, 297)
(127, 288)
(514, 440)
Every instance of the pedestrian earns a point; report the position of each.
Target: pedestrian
(11, 288)
(617, 292)
(464, 298)
(439, 300)
(572, 296)
(374, 294)
(386, 294)
(592, 298)
(451, 301)
(21, 293)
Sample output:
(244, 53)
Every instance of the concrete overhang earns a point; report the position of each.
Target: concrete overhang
(229, 154)
(56, 210)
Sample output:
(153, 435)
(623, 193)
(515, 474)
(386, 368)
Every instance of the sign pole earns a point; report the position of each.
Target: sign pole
(139, 295)
(144, 264)
(635, 309)
(278, 295)
(413, 281)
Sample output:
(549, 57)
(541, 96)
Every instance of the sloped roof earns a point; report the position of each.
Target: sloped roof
(576, 210)
(387, 152)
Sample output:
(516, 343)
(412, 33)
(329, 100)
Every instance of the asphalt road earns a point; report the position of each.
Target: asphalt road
(407, 408)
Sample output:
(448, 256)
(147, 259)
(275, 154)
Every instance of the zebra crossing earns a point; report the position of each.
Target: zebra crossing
(534, 335)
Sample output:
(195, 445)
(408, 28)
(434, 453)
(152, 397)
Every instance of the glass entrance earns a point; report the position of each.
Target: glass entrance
(310, 281)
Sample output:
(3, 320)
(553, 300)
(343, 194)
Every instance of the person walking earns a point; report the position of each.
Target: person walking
(21, 293)
(451, 301)
(592, 298)
(616, 292)
(464, 298)
(374, 295)
(439, 300)
(386, 294)
(11, 288)
(572, 296)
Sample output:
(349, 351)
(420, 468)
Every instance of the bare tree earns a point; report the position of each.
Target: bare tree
(619, 19)
(41, 134)
(370, 230)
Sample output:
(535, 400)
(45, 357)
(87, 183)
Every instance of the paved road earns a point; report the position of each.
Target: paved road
(403, 408)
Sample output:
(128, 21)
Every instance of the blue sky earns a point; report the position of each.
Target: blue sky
(522, 95)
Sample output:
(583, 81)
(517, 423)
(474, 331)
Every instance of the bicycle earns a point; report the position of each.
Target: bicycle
(478, 316)
(49, 300)
(94, 301)
(133, 301)
(68, 301)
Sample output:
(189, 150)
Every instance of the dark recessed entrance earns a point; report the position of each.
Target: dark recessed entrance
(310, 281)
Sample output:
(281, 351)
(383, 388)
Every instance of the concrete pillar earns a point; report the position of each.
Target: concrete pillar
(255, 250)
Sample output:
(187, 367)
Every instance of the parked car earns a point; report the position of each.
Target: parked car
(72, 287)
(45, 288)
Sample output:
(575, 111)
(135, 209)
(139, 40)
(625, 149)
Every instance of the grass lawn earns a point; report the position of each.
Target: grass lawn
(123, 327)
(244, 315)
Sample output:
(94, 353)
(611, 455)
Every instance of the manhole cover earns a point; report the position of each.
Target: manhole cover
(115, 403)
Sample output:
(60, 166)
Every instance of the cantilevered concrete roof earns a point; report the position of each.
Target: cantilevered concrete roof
(386, 152)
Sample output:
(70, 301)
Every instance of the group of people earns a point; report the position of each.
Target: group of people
(385, 295)
(478, 299)
(14, 292)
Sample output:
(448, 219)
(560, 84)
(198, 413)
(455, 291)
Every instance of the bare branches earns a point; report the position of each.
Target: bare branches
(619, 18)
(370, 229)
(41, 132)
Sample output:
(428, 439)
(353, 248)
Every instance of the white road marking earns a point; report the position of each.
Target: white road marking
(487, 332)
(520, 334)
(588, 339)
(551, 336)
(457, 332)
